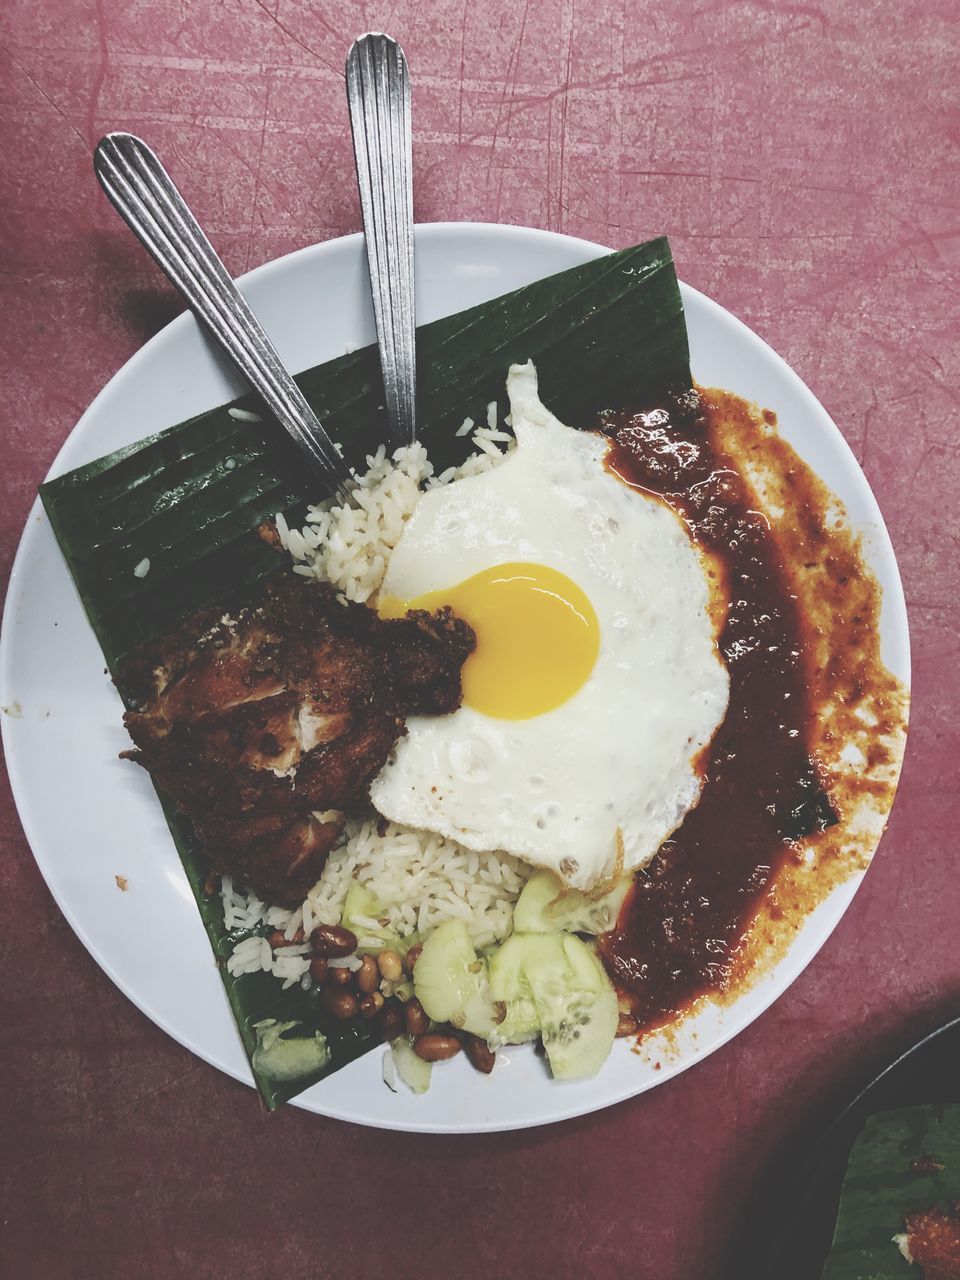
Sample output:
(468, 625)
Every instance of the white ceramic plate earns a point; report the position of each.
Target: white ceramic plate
(89, 817)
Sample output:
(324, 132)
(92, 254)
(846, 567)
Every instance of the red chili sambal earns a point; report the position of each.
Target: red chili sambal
(684, 923)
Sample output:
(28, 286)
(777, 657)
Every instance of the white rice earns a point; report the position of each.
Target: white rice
(350, 546)
(420, 878)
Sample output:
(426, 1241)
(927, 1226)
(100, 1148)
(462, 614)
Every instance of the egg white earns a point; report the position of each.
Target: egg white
(619, 754)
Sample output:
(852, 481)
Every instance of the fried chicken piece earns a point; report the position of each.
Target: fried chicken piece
(267, 728)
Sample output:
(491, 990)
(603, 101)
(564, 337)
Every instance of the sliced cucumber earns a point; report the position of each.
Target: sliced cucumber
(588, 973)
(412, 1070)
(450, 981)
(552, 983)
(577, 1006)
(289, 1059)
(509, 984)
(362, 913)
(546, 905)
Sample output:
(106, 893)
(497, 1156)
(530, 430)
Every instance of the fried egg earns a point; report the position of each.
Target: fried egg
(596, 681)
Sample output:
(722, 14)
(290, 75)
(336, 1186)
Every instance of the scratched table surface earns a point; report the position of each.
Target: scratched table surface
(803, 159)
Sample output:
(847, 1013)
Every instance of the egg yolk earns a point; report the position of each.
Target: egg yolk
(537, 637)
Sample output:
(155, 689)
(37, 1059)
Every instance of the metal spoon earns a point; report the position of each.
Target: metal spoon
(378, 92)
(144, 195)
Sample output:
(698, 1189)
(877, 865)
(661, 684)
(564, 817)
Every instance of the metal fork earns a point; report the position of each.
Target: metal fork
(144, 195)
(378, 93)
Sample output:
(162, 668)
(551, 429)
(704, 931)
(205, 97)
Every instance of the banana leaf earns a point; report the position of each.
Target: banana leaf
(605, 335)
(903, 1160)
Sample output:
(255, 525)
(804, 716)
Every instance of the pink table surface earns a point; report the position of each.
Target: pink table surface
(803, 159)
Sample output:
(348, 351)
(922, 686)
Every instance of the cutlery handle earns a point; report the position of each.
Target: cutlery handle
(144, 195)
(378, 93)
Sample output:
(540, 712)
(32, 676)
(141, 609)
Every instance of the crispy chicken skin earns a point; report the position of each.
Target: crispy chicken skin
(267, 727)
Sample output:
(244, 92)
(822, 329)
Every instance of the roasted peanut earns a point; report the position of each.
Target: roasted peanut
(339, 975)
(332, 941)
(410, 959)
(391, 1019)
(277, 939)
(417, 1021)
(389, 964)
(626, 1026)
(434, 1047)
(368, 975)
(624, 1003)
(371, 1004)
(479, 1052)
(341, 1003)
(318, 969)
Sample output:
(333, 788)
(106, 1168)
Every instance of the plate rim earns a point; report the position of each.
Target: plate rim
(790, 966)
